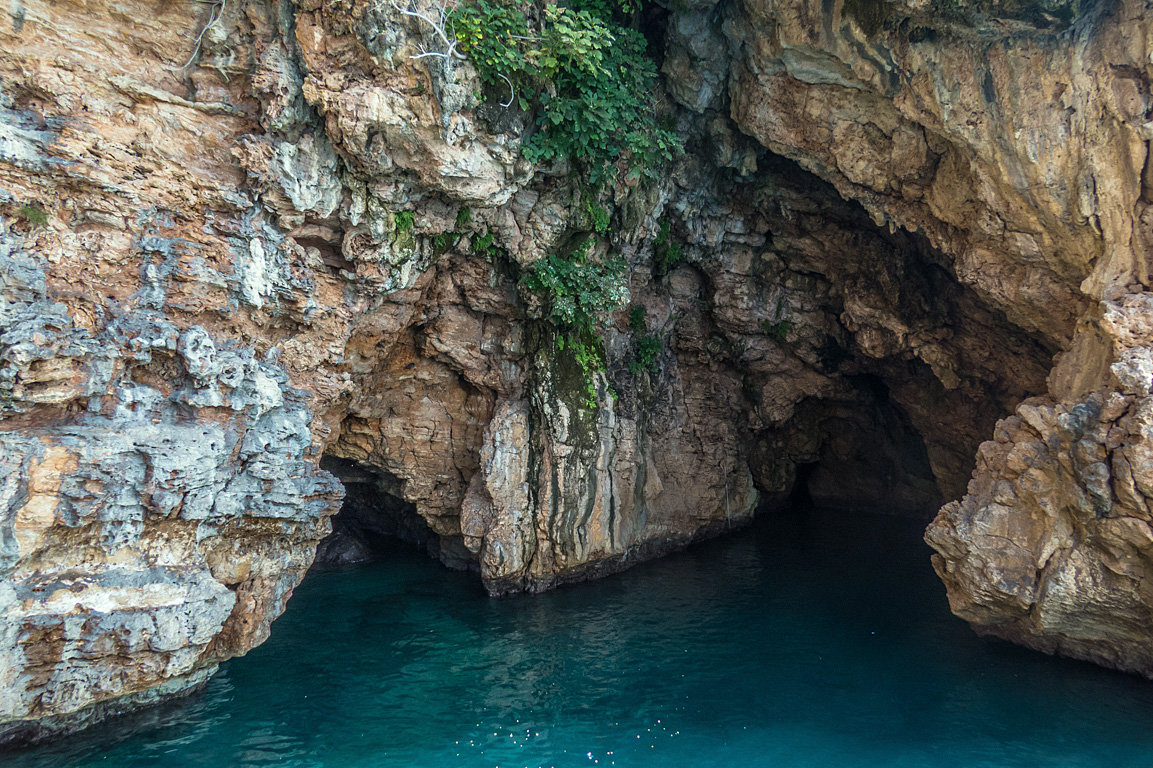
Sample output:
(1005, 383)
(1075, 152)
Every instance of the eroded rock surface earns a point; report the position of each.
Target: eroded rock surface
(236, 239)
(1052, 545)
(1013, 137)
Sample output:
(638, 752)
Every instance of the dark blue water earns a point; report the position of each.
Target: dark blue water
(814, 639)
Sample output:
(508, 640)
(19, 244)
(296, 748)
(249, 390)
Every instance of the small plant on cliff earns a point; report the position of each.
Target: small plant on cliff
(589, 356)
(33, 214)
(578, 291)
(646, 346)
(485, 245)
(646, 355)
(445, 241)
(598, 216)
(779, 330)
(667, 252)
(637, 322)
(405, 221)
(778, 327)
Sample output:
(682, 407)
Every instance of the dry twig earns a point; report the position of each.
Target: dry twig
(215, 15)
(439, 25)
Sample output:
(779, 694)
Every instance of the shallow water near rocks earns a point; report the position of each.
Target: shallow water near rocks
(812, 639)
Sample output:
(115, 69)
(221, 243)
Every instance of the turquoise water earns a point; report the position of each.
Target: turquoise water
(814, 639)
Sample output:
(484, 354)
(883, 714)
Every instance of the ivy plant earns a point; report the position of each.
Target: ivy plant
(577, 289)
(583, 71)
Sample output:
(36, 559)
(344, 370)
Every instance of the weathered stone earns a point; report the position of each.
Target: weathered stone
(226, 255)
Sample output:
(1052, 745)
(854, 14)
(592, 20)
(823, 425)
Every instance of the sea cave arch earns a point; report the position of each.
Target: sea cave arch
(896, 264)
(804, 352)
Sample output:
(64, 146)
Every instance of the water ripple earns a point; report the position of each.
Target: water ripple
(812, 640)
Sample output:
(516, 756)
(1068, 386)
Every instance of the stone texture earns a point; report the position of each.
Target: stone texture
(1015, 140)
(236, 240)
(1051, 547)
(1009, 148)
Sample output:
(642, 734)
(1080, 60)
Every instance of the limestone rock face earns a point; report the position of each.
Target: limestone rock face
(1052, 546)
(1016, 151)
(238, 239)
(1014, 139)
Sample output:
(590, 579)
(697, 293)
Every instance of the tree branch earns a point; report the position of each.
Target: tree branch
(439, 26)
(215, 15)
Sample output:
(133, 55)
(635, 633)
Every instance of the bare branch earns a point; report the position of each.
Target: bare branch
(215, 15)
(511, 90)
(439, 26)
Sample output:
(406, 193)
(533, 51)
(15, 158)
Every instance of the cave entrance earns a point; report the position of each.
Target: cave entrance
(862, 454)
(800, 496)
(373, 519)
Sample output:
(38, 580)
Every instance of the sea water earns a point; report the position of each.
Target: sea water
(810, 639)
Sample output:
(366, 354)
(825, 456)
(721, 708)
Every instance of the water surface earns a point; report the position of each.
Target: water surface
(812, 639)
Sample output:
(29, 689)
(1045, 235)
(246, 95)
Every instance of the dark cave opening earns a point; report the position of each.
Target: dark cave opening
(872, 456)
(652, 22)
(800, 497)
(856, 453)
(373, 519)
(906, 367)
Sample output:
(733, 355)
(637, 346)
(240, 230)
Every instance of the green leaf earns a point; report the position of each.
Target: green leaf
(584, 70)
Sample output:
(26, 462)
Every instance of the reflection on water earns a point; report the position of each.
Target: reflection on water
(814, 639)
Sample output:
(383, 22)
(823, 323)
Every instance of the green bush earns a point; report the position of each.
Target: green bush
(586, 76)
(616, 10)
(405, 221)
(578, 290)
(33, 214)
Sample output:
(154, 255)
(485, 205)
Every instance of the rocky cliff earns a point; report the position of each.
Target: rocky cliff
(238, 239)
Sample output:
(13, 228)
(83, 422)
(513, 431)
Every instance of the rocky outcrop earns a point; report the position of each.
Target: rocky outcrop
(1051, 547)
(1015, 139)
(243, 239)
(240, 240)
